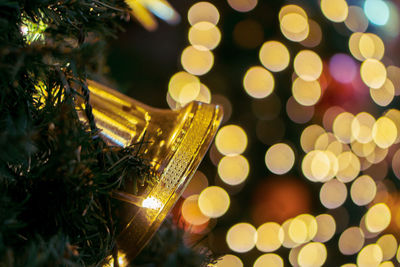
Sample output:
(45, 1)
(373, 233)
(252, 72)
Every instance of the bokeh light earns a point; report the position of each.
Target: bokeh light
(306, 93)
(342, 68)
(384, 132)
(333, 194)
(191, 211)
(214, 201)
(308, 65)
(203, 11)
(229, 260)
(298, 113)
(274, 56)
(197, 61)
(309, 136)
(204, 35)
(326, 227)
(231, 140)
(183, 87)
(384, 95)
(342, 127)
(294, 23)
(370, 255)
(371, 46)
(314, 37)
(233, 170)
(361, 127)
(279, 158)
(349, 166)
(243, 5)
(373, 73)
(258, 82)
(377, 11)
(363, 190)
(269, 237)
(270, 259)
(378, 218)
(335, 10)
(198, 182)
(312, 254)
(241, 237)
(388, 244)
(351, 241)
(356, 20)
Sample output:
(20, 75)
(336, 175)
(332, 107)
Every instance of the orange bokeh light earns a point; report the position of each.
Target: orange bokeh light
(280, 198)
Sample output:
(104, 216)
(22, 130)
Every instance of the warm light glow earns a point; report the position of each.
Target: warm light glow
(214, 201)
(335, 10)
(377, 218)
(298, 231)
(231, 140)
(309, 136)
(349, 167)
(258, 82)
(294, 23)
(326, 227)
(319, 166)
(312, 254)
(393, 74)
(196, 185)
(191, 211)
(306, 93)
(269, 237)
(373, 73)
(270, 260)
(204, 95)
(204, 35)
(363, 190)
(342, 127)
(203, 11)
(314, 36)
(356, 20)
(388, 244)
(333, 194)
(229, 260)
(308, 65)
(370, 255)
(371, 46)
(384, 132)
(287, 240)
(384, 95)
(241, 237)
(354, 45)
(274, 56)
(152, 203)
(196, 61)
(361, 127)
(183, 87)
(279, 158)
(298, 113)
(351, 240)
(233, 170)
(242, 5)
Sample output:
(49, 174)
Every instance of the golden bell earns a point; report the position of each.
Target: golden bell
(175, 143)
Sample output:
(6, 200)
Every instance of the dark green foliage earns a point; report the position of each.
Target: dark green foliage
(56, 176)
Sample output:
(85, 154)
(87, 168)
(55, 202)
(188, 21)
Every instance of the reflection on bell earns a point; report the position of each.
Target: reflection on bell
(176, 142)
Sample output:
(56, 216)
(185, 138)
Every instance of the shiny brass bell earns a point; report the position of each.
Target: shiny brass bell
(176, 142)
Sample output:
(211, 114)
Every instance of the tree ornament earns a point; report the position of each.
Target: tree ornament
(174, 143)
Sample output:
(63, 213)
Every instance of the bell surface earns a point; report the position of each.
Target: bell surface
(174, 143)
